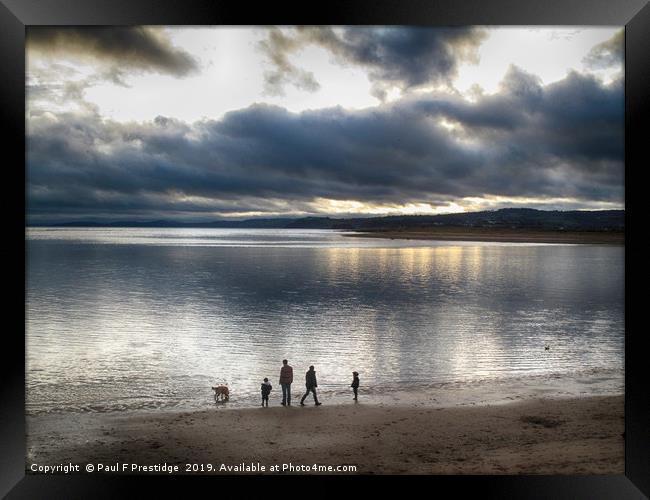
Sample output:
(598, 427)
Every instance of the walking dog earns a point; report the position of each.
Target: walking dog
(221, 392)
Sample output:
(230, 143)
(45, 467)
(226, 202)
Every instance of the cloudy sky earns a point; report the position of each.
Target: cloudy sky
(200, 123)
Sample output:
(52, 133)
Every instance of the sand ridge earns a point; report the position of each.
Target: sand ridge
(499, 235)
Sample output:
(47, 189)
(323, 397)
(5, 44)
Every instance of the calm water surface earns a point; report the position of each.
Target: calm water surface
(128, 319)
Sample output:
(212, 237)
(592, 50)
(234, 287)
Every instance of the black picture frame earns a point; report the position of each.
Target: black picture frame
(16, 14)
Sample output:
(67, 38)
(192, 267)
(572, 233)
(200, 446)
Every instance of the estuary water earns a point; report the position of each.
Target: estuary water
(149, 319)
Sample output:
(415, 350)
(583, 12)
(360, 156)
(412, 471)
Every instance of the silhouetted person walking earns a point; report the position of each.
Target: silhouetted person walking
(310, 383)
(286, 378)
(355, 384)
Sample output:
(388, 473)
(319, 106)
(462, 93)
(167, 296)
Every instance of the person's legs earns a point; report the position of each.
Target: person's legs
(289, 394)
(355, 392)
(313, 389)
(284, 394)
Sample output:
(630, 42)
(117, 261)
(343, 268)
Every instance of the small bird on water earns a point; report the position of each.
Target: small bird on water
(546, 348)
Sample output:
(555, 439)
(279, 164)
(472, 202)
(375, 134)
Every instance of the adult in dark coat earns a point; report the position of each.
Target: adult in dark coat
(286, 379)
(310, 383)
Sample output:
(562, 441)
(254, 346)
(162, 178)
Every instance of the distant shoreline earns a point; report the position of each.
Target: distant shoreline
(505, 219)
(498, 235)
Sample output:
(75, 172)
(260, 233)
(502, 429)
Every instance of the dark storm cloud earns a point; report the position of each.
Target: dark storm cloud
(138, 47)
(564, 140)
(607, 54)
(402, 56)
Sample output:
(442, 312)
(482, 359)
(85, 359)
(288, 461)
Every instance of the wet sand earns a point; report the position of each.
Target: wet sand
(499, 235)
(576, 435)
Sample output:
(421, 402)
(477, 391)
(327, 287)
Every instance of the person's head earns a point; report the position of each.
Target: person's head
(284, 361)
(311, 367)
(266, 379)
(356, 374)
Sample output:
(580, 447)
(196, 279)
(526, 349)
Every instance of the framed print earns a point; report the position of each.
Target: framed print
(378, 242)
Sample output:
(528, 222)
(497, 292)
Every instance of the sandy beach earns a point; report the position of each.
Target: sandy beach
(500, 235)
(535, 436)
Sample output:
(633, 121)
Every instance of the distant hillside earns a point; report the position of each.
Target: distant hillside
(511, 218)
(515, 218)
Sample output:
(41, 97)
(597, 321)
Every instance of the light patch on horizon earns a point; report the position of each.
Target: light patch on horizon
(322, 205)
(468, 204)
(474, 204)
